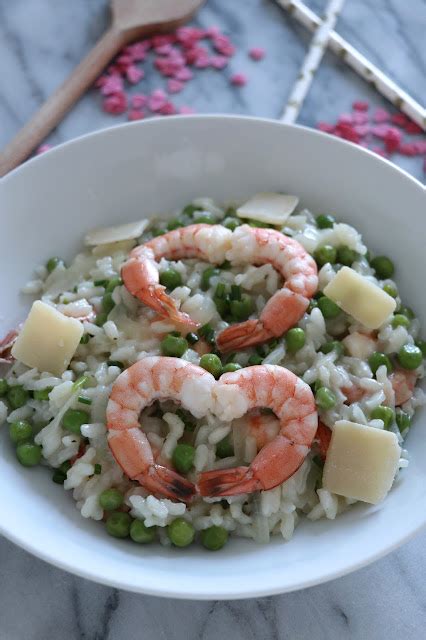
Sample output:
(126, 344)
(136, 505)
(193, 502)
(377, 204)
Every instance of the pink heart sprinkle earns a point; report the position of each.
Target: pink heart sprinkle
(360, 105)
(135, 114)
(218, 62)
(238, 79)
(174, 86)
(183, 74)
(112, 84)
(168, 109)
(381, 115)
(157, 100)
(134, 75)
(138, 100)
(115, 104)
(257, 53)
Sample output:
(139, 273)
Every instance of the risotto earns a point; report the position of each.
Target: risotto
(225, 372)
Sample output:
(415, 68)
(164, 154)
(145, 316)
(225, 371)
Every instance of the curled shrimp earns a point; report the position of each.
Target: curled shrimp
(293, 403)
(285, 308)
(403, 383)
(140, 272)
(150, 379)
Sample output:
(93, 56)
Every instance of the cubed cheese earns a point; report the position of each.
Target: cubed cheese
(360, 298)
(106, 235)
(48, 339)
(361, 462)
(112, 247)
(271, 208)
(359, 345)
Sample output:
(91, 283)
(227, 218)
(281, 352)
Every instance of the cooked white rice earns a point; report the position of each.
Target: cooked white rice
(132, 332)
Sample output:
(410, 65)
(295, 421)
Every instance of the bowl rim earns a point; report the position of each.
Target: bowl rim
(179, 592)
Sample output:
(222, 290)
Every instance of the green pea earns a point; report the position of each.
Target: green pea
(142, 534)
(212, 363)
(333, 345)
(17, 396)
(173, 346)
(255, 359)
(118, 524)
(192, 338)
(406, 311)
(403, 420)
(325, 221)
(328, 308)
(101, 318)
(242, 309)
(400, 321)
(28, 454)
(377, 359)
(42, 394)
(225, 448)
(295, 339)
(3, 387)
(112, 284)
(325, 398)
(421, 344)
(20, 431)
(325, 254)
(85, 338)
(183, 457)
(391, 290)
(214, 538)
(205, 218)
(410, 356)
(174, 224)
(346, 256)
(181, 532)
(58, 476)
(231, 367)
(383, 266)
(170, 278)
(73, 419)
(231, 223)
(383, 413)
(111, 499)
(52, 263)
(108, 303)
(206, 275)
(190, 209)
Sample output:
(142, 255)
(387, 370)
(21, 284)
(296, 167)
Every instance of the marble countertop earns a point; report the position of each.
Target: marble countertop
(40, 42)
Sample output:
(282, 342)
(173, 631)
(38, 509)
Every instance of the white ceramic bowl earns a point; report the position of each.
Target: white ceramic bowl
(156, 166)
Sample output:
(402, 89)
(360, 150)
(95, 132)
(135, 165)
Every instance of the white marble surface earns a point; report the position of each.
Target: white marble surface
(40, 41)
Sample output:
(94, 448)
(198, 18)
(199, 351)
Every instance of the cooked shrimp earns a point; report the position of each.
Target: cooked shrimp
(293, 403)
(150, 379)
(140, 272)
(323, 436)
(403, 383)
(263, 428)
(6, 347)
(285, 308)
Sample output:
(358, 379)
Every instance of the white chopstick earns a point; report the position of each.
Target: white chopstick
(312, 60)
(359, 63)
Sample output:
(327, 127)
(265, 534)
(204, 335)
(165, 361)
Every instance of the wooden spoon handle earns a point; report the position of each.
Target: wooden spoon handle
(54, 109)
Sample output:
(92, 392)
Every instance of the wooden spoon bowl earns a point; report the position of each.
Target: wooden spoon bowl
(131, 20)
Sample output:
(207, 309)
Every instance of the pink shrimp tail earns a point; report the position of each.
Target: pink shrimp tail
(228, 482)
(243, 334)
(156, 298)
(166, 482)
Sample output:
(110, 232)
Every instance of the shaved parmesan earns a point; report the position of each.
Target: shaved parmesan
(361, 462)
(108, 249)
(360, 298)
(271, 208)
(48, 339)
(106, 235)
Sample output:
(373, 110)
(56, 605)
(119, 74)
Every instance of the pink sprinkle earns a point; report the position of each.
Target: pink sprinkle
(380, 130)
(124, 61)
(135, 114)
(413, 128)
(362, 129)
(101, 81)
(183, 74)
(167, 109)
(360, 105)
(379, 151)
(346, 118)
(408, 149)
(188, 36)
(112, 84)
(185, 110)
(238, 79)
(138, 100)
(212, 32)
(196, 53)
(381, 115)
(115, 104)
(257, 53)
(218, 62)
(326, 127)
(392, 139)
(347, 132)
(164, 49)
(223, 45)
(159, 41)
(133, 74)
(360, 117)
(399, 119)
(43, 148)
(202, 62)
(157, 100)
(174, 86)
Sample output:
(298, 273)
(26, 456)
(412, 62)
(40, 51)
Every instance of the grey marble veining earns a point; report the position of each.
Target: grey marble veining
(40, 42)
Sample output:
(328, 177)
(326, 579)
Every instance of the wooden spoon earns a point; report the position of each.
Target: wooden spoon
(131, 20)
